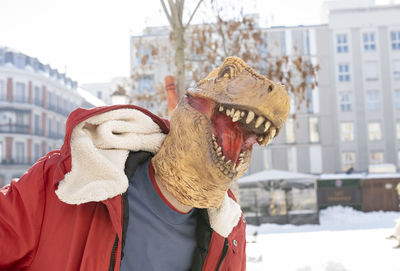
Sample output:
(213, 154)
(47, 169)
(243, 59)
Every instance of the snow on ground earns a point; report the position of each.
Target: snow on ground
(345, 240)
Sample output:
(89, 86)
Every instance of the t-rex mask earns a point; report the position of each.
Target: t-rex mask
(213, 129)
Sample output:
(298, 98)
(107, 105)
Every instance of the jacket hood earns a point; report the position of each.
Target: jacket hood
(97, 142)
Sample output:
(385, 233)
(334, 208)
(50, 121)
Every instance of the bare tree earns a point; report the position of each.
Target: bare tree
(210, 44)
(174, 14)
(193, 51)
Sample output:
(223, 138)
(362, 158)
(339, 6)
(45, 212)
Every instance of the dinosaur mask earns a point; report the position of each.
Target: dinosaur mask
(213, 129)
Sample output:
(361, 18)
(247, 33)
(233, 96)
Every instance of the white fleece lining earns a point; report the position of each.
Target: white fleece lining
(99, 148)
(226, 217)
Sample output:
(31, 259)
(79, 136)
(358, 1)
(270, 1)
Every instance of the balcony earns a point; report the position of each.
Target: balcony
(51, 107)
(14, 128)
(21, 100)
(54, 135)
(10, 162)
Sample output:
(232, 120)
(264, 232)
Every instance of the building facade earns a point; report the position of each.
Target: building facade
(149, 75)
(366, 80)
(35, 101)
(306, 143)
(352, 118)
(104, 90)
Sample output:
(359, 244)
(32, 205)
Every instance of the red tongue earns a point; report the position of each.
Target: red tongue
(230, 133)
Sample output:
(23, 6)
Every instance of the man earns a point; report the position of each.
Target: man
(104, 202)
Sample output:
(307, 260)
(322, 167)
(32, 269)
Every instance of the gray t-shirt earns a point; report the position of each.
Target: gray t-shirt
(158, 237)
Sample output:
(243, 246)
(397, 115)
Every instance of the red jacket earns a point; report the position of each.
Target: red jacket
(65, 215)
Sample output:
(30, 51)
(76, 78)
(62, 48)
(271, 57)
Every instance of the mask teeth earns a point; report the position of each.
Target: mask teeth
(253, 122)
(229, 168)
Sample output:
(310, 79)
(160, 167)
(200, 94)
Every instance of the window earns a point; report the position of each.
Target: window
(144, 54)
(50, 128)
(58, 103)
(348, 160)
(36, 124)
(283, 43)
(20, 61)
(63, 129)
(373, 100)
(65, 106)
(341, 43)
(20, 94)
(38, 96)
(397, 98)
(344, 73)
(346, 131)
(36, 152)
(398, 130)
(371, 70)
(376, 158)
(58, 127)
(266, 154)
(307, 51)
(20, 152)
(1, 152)
(374, 131)
(395, 38)
(291, 158)
(313, 129)
(345, 101)
(289, 126)
(396, 69)
(99, 95)
(49, 100)
(19, 118)
(369, 41)
(9, 57)
(310, 105)
(3, 95)
(398, 159)
(61, 109)
(145, 84)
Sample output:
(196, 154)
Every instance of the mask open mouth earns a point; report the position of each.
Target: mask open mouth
(235, 129)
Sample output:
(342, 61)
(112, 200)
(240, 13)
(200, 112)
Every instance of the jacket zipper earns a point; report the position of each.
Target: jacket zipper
(114, 248)
(224, 252)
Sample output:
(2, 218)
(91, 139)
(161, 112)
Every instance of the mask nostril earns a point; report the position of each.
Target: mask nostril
(270, 88)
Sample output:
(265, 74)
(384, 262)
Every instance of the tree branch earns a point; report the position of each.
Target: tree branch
(220, 31)
(167, 13)
(174, 13)
(196, 60)
(180, 10)
(191, 16)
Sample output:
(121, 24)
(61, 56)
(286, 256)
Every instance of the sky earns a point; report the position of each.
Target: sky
(89, 39)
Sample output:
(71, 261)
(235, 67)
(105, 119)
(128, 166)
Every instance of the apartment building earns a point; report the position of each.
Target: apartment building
(366, 80)
(306, 144)
(35, 101)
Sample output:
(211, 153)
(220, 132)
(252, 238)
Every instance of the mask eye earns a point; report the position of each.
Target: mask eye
(225, 72)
